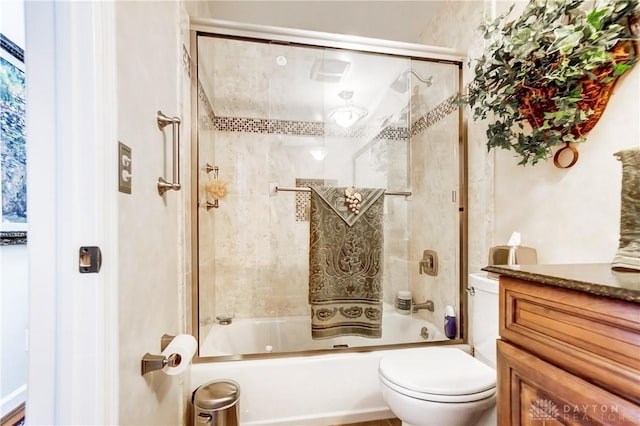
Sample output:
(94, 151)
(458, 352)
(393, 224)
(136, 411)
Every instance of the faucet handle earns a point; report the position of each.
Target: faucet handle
(429, 263)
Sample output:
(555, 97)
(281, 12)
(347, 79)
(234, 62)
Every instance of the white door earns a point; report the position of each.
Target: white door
(71, 126)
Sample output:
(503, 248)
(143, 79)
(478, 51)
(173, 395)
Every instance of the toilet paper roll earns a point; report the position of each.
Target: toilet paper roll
(183, 345)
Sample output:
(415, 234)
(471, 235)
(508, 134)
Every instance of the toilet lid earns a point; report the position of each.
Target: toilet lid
(437, 371)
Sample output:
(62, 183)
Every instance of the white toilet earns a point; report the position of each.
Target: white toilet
(445, 385)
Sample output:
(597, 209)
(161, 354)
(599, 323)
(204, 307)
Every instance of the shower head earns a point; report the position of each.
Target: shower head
(402, 83)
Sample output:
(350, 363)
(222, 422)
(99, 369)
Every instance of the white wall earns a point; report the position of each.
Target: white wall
(568, 215)
(389, 20)
(14, 321)
(572, 215)
(151, 291)
(13, 271)
(12, 21)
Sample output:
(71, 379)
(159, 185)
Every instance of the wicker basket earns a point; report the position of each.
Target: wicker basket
(536, 101)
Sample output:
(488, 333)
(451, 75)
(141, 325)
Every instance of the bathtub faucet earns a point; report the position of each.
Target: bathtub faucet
(428, 305)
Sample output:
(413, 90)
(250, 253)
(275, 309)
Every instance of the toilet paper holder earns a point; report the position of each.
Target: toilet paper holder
(152, 362)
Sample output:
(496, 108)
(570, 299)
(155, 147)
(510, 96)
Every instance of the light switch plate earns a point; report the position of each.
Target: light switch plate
(124, 168)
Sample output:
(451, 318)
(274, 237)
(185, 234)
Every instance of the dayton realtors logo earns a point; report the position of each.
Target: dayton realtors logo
(544, 410)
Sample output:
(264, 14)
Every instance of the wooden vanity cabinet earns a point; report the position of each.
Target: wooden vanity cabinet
(566, 357)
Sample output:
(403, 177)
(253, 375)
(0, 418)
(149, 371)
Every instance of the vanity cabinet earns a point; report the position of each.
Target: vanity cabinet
(566, 356)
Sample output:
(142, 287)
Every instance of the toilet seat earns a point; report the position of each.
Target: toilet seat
(438, 374)
(439, 398)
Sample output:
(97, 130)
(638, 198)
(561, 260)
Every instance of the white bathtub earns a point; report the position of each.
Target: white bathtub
(306, 390)
(291, 334)
(313, 390)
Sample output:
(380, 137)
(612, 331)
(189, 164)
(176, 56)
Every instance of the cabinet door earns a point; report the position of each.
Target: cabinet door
(593, 337)
(534, 392)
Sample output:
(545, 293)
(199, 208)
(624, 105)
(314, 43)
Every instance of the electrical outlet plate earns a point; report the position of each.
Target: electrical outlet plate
(124, 168)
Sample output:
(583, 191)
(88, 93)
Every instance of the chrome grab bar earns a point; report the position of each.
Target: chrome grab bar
(163, 184)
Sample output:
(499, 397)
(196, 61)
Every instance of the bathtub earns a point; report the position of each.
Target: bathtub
(324, 388)
(291, 334)
(311, 390)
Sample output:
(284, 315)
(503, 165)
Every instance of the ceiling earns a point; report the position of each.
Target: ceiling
(262, 80)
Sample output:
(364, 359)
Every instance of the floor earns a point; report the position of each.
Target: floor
(16, 417)
(383, 422)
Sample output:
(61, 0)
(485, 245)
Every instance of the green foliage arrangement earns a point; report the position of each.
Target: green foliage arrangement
(552, 68)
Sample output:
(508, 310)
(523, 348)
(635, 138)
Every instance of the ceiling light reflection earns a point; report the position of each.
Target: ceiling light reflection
(318, 153)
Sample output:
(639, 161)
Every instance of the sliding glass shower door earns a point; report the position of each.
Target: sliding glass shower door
(275, 120)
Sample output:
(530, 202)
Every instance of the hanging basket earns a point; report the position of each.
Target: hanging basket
(554, 68)
(595, 94)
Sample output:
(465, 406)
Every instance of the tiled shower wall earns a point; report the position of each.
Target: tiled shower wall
(434, 217)
(206, 236)
(254, 248)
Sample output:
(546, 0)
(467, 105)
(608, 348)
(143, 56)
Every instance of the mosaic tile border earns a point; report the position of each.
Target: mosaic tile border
(448, 106)
(188, 66)
(298, 128)
(186, 61)
(393, 133)
(318, 128)
(303, 199)
(207, 117)
(260, 125)
(210, 121)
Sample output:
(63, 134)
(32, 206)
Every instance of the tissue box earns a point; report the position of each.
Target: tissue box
(499, 255)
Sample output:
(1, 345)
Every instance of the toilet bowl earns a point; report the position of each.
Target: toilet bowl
(445, 386)
(436, 386)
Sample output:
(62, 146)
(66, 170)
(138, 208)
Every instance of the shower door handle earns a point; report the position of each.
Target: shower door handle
(163, 184)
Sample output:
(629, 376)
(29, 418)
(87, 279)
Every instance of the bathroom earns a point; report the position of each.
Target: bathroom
(145, 289)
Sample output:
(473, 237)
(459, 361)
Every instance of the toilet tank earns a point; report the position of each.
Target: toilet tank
(483, 317)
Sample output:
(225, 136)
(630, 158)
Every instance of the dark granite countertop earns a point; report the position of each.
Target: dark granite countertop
(594, 278)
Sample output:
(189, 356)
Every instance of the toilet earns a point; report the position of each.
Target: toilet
(445, 385)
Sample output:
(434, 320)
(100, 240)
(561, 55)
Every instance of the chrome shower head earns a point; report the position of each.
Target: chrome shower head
(402, 83)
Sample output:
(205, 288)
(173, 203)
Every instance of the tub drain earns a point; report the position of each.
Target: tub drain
(424, 333)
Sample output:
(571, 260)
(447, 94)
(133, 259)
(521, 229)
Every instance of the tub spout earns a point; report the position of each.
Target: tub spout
(428, 305)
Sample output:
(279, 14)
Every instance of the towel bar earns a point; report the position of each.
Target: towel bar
(277, 188)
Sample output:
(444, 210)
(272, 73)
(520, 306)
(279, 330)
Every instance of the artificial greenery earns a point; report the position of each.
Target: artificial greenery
(545, 60)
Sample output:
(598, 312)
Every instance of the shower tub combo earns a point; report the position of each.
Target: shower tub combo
(249, 247)
(329, 387)
(282, 335)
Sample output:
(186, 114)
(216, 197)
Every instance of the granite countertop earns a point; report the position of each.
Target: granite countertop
(594, 278)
